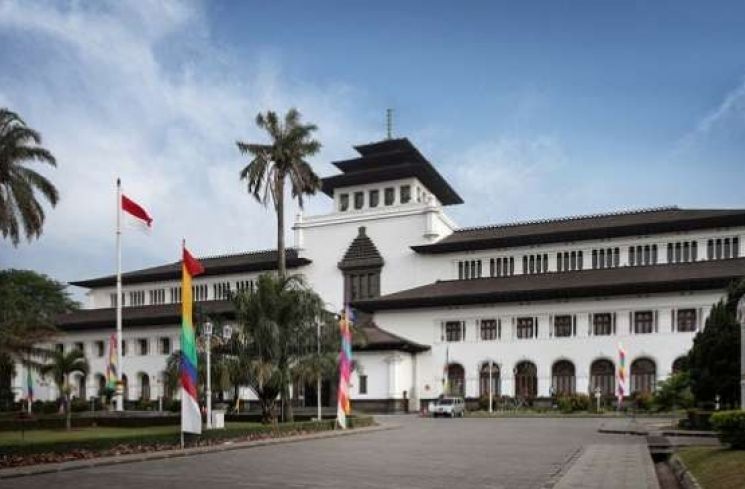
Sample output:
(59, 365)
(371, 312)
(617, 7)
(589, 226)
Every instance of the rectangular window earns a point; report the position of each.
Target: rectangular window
(79, 346)
(59, 347)
(343, 202)
(602, 324)
(100, 349)
(164, 347)
(142, 346)
(453, 331)
(374, 198)
(489, 329)
(389, 195)
(643, 322)
(563, 326)
(405, 193)
(124, 348)
(359, 200)
(686, 320)
(525, 328)
(363, 384)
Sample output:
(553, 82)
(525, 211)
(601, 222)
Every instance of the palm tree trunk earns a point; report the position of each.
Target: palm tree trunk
(280, 196)
(68, 411)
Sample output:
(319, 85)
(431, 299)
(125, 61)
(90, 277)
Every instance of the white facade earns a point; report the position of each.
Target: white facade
(396, 226)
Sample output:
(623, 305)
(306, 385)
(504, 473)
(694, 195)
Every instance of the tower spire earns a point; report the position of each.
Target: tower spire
(389, 123)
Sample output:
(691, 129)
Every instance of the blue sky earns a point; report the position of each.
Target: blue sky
(530, 109)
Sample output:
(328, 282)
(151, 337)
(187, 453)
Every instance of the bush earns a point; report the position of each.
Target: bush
(574, 402)
(675, 392)
(642, 401)
(698, 419)
(730, 425)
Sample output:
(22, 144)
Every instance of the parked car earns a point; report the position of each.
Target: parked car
(449, 406)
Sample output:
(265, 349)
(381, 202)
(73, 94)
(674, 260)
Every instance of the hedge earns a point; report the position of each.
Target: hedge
(730, 425)
(150, 440)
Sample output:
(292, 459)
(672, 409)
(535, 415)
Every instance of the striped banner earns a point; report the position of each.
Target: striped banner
(112, 377)
(622, 378)
(345, 368)
(191, 417)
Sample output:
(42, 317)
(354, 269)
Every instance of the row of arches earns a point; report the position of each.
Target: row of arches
(143, 386)
(642, 376)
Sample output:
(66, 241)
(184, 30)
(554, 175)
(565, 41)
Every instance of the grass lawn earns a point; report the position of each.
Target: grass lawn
(12, 438)
(715, 468)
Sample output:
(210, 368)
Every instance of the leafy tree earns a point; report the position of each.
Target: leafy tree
(272, 164)
(60, 367)
(674, 392)
(20, 211)
(29, 302)
(714, 359)
(278, 321)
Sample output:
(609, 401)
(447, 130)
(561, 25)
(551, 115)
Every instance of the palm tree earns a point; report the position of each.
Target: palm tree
(61, 366)
(271, 164)
(20, 211)
(278, 322)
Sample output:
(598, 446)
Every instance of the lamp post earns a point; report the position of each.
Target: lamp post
(741, 317)
(208, 337)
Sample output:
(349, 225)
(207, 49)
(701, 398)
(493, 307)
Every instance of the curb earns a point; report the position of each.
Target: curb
(623, 432)
(693, 434)
(681, 472)
(30, 470)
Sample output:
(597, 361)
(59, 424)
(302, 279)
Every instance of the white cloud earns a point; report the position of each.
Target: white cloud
(100, 84)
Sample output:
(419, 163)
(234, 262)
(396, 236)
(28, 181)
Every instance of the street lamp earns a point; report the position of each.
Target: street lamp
(208, 336)
(741, 317)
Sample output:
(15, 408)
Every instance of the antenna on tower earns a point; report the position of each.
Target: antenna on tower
(389, 123)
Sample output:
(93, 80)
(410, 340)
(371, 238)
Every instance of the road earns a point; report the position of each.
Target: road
(423, 453)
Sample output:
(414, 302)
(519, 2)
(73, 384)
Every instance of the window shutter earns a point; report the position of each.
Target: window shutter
(513, 333)
(631, 323)
(655, 320)
(463, 331)
(700, 319)
(574, 325)
(551, 325)
(589, 324)
(442, 331)
(613, 323)
(535, 327)
(672, 320)
(499, 328)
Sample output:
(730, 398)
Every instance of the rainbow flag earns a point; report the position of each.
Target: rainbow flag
(191, 418)
(345, 368)
(622, 391)
(111, 367)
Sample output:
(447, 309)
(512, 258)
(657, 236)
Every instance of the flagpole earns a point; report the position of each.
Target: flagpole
(118, 302)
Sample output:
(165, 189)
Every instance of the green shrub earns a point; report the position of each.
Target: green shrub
(570, 403)
(642, 401)
(674, 392)
(730, 425)
(80, 405)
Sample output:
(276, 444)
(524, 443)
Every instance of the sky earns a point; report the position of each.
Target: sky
(531, 110)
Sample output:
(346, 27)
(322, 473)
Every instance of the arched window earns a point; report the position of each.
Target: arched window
(686, 251)
(100, 385)
(144, 380)
(526, 380)
(726, 248)
(573, 260)
(532, 264)
(563, 377)
(710, 249)
(694, 251)
(580, 261)
(616, 257)
(484, 380)
(525, 264)
(718, 249)
(559, 263)
(456, 385)
(632, 256)
(678, 255)
(643, 375)
(545, 263)
(647, 255)
(125, 386)
(80, 386)
(601, 259)
(679, 364)
(594, 259)
(654, 254)
(602, 375)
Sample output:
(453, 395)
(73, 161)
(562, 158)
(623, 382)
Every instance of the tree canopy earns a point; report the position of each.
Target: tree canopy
(714, 359)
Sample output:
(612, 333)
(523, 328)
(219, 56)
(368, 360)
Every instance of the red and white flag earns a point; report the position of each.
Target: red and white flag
(137, 213)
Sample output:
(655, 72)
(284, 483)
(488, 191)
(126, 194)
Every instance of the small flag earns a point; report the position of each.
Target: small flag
(191, 418)
(112, 376)
(137, 212)
(345, 368)
(622, 391)
(29, 386)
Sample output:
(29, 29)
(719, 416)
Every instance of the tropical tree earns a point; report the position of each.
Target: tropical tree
(60, 367)
(29, 303)
(714, 359)
(272, 164)
(277, 321)
(20, 211)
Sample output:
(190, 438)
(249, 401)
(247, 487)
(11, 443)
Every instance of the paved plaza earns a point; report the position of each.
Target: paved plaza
(423, 453)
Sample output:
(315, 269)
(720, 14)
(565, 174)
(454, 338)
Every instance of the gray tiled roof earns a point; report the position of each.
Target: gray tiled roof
(361, 253)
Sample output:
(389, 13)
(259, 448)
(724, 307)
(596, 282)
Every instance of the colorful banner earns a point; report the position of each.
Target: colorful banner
(191, 417)
(345, 368)
(622, 391)
(111, 366)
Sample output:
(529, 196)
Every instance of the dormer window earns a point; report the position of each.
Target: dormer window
(359, 200)
(374, 198)
(390, 195)
(343, 202)
(405, 194)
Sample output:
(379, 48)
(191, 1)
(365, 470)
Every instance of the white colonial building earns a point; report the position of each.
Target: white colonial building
(543, 304)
